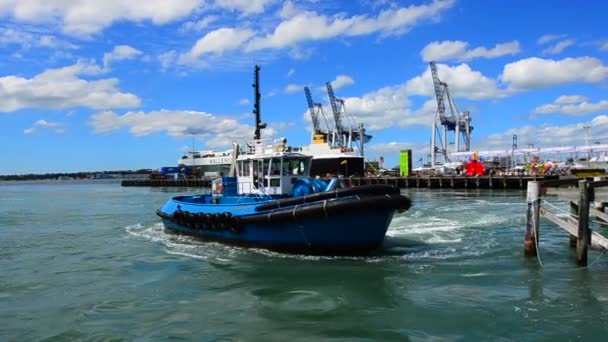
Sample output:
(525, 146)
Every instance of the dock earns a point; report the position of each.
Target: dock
(415, 182)
(590, 208)
(182, 183)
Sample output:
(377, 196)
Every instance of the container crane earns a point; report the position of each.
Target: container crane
(333, 101)
(356, 131)
(316, 110)
(454, 121)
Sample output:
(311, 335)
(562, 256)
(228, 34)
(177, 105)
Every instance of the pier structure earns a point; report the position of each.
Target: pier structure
(413, 182)
(577, 224)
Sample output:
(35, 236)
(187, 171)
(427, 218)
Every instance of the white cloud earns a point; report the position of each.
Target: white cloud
(244, 102)
(384, 108)
(559, 47)
(300, 53)
(62, 88)
(167, 59)
(27, 39)
(198, 25)
(570, 99)
(291, 72)
(244, 6)
(457, 50)
(342, 81)
(308, 26)
(289, 10)
(293, 88)
(87, 17)
(534, 72)
(217, 42)
(463, 82)
(41, 126)
(300, 26)
(218, 131)
(547, 38)
(604, 46)
(119, 53)
(572, 105)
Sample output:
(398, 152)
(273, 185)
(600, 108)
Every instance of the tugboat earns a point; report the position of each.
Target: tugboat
(273, 204)
(270, 201)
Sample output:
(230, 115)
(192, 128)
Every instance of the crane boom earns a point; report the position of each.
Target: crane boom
(334, 107)
(314, 115)
(439, 88)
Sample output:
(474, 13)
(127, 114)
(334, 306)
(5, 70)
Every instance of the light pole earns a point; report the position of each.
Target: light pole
(193, 159)
(586, 128)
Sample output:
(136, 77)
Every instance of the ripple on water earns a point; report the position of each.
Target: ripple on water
(298, 303)
(184, 245)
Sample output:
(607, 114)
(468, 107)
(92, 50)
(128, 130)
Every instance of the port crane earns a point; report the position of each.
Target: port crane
(445, 122)
(355, 132)
(316, 111)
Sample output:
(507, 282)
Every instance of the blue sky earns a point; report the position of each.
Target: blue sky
(103, 85)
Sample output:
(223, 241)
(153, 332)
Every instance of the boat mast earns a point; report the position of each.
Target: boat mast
(259, 125)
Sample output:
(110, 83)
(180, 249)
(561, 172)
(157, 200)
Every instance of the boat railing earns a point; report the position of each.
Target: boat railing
(266, 145)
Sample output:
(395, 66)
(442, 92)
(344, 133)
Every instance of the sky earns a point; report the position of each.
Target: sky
(89, 85)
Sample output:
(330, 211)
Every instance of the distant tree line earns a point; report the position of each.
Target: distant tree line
(76, 175)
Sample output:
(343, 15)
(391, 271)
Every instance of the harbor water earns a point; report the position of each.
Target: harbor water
(91, 261)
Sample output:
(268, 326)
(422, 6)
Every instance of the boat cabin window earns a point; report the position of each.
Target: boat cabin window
(244, 168)
(266, 166)
(260, 167)
(295, 167)
(275, 167)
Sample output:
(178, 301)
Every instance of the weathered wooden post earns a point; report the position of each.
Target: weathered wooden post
(532, 218)
(584, 233)
(574, 213)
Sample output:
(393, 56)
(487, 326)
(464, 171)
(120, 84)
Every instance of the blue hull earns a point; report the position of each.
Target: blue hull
(355, 234)
(350, 225)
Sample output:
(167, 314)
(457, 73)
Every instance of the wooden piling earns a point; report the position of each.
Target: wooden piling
(574, 215)
(584, 233)
(532, 218)
(521, 183)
